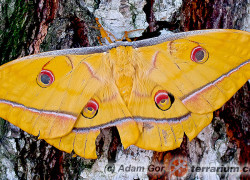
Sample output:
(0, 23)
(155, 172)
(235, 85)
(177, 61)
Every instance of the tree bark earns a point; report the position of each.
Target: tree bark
(33, 26)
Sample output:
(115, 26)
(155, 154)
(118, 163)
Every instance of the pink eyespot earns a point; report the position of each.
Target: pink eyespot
(90, 110)
(92, 104)
(45, 78)
(162, 100)
(199, 55)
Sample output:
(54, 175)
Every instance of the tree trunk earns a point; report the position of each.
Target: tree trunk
(33, 26)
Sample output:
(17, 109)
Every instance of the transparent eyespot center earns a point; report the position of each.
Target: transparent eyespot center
(45, 78)
(162, 100)
(90, 110)
(199, 55)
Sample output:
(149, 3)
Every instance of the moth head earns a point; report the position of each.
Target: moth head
(90, 110)
(199, 55)
(163, 100)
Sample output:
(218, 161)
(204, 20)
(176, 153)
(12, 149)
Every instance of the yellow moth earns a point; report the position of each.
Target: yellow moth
(153, 90)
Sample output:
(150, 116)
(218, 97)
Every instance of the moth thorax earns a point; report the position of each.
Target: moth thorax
(125, 84)
(124, 72)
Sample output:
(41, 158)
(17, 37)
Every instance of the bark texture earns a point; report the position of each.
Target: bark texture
(32, 26)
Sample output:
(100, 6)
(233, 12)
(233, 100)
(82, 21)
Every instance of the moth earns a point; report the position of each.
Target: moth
(152, 90)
